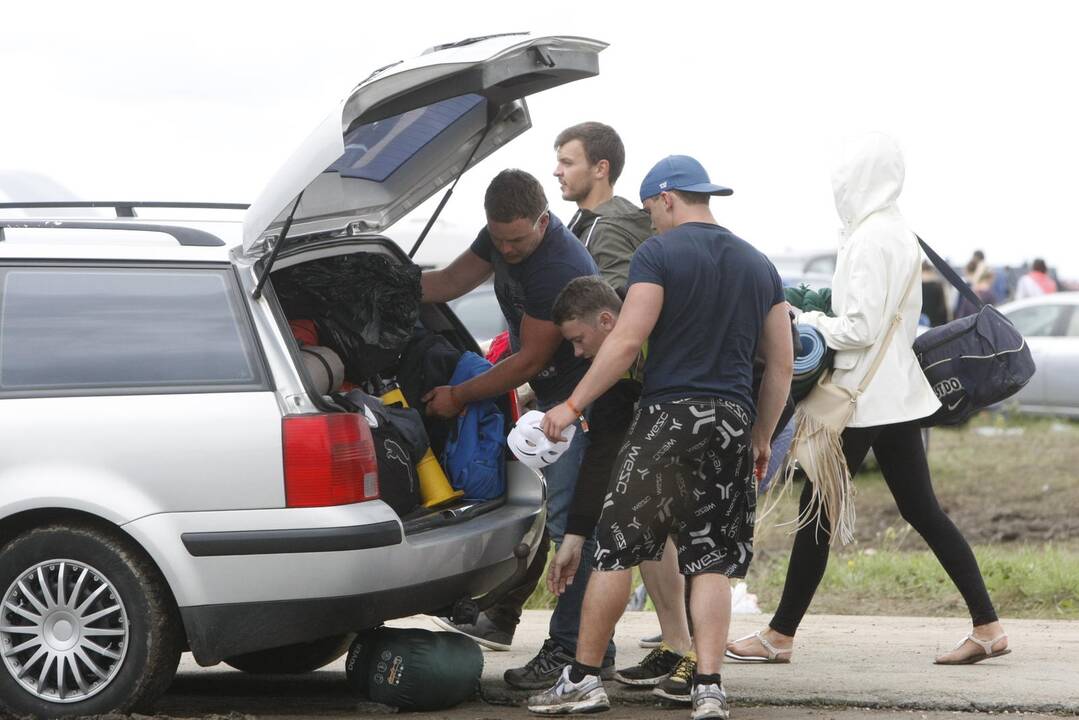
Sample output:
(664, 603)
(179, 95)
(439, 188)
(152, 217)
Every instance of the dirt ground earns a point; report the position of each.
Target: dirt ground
(1012, 482)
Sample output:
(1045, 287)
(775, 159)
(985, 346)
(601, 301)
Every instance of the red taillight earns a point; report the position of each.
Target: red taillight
(515, 407)
(329, 460)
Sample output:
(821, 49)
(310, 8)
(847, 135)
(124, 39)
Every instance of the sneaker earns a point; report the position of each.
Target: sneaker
(483, 631)
(655, 668)
(651, 642)
(679, 683)
(587, 696)
(546, 667)
(709, 701)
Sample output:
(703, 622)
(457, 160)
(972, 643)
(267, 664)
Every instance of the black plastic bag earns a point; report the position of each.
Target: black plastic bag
(364, 304)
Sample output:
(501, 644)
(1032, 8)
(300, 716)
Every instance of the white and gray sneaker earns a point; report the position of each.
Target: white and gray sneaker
(709, 701)
(565, 698)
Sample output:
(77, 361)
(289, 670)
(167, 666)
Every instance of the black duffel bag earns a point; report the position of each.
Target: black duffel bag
(974, 361)
(400, 443)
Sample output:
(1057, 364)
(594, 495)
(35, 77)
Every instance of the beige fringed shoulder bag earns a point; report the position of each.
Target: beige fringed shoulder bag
(817, 446)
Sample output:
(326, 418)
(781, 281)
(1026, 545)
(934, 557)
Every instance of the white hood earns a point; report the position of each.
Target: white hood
(867, 177)
(408, 130)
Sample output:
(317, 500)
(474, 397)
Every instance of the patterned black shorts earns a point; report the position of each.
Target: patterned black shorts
(685, 469)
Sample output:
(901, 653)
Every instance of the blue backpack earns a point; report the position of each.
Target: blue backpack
(473, 455)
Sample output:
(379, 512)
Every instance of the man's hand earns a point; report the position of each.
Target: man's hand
(762, 453)
(556, 420)
(442, 403)
(564, 565)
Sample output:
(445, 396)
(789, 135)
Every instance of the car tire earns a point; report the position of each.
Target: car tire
(293, 659)
(107, 632)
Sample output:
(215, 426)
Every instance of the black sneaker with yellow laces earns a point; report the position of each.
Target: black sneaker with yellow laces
(678, 686)
(655, 668)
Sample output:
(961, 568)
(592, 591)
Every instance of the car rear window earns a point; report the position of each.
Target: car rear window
(376, 150)
(65, 329)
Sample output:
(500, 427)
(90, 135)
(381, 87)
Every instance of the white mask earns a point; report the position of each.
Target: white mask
(531, 446)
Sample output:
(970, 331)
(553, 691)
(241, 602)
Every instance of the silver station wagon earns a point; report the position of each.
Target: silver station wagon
(171, 477)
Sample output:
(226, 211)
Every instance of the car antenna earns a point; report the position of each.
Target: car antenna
(271, 256)
(446, 197)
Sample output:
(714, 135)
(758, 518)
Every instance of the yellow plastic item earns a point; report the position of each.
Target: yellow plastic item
(435, 488)
(394, 397)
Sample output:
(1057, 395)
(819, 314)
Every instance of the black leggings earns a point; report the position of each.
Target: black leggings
(902, 460)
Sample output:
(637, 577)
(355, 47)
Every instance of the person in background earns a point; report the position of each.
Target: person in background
(975, 267)
(983, 288)
(532, 256)
(1036, 282)
(934, 304)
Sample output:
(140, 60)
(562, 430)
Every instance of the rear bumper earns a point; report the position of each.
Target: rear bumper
(304, 540)
(216, 632)
(246, 580)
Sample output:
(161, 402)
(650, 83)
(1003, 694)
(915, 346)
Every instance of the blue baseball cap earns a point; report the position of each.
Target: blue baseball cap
(679, 172)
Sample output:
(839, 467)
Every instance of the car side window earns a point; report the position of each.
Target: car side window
(73, 331)
(1037, 320)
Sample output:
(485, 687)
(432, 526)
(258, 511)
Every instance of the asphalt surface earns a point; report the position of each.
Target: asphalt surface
(843, 667)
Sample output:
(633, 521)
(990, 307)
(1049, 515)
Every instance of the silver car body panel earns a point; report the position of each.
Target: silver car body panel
(80, 465)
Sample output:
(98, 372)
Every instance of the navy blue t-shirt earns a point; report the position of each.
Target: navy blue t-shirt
(717, 291)
(531, 286)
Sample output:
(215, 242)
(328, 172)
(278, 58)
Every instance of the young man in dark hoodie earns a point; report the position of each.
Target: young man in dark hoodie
(590, 158)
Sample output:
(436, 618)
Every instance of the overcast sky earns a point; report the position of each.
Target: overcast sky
(202, 101)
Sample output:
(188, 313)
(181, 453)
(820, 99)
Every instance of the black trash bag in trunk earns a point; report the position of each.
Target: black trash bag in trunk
(364, 304)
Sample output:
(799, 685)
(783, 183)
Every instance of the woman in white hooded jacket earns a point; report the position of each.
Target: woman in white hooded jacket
(878, 255)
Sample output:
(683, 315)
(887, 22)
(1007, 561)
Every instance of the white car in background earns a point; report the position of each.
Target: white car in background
(1050, 324)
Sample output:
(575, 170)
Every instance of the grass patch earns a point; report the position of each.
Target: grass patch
(1023, 581)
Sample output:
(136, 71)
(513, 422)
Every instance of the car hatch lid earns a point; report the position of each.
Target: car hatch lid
(408, 130)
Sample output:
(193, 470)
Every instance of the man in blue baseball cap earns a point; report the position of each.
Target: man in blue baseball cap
(707, 302)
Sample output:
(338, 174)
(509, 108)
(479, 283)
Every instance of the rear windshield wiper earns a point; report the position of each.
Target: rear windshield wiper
(269, 257)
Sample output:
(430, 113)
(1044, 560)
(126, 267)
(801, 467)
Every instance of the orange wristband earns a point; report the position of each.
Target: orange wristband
(574, 410)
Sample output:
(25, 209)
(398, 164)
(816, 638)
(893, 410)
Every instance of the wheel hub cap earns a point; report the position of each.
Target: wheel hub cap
(63, 631)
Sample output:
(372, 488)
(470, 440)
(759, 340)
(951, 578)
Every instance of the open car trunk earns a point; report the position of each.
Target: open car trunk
(423, 345)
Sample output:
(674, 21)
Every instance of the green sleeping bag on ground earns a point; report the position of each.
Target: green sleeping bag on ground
(413, 669)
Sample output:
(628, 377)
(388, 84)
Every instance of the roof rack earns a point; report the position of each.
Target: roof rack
(123, 208)
(183, 235)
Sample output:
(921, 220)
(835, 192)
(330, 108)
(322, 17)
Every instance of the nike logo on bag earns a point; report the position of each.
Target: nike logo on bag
(954, 405)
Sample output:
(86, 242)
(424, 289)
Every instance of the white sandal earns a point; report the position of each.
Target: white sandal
(986, 646)
(773, 652)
